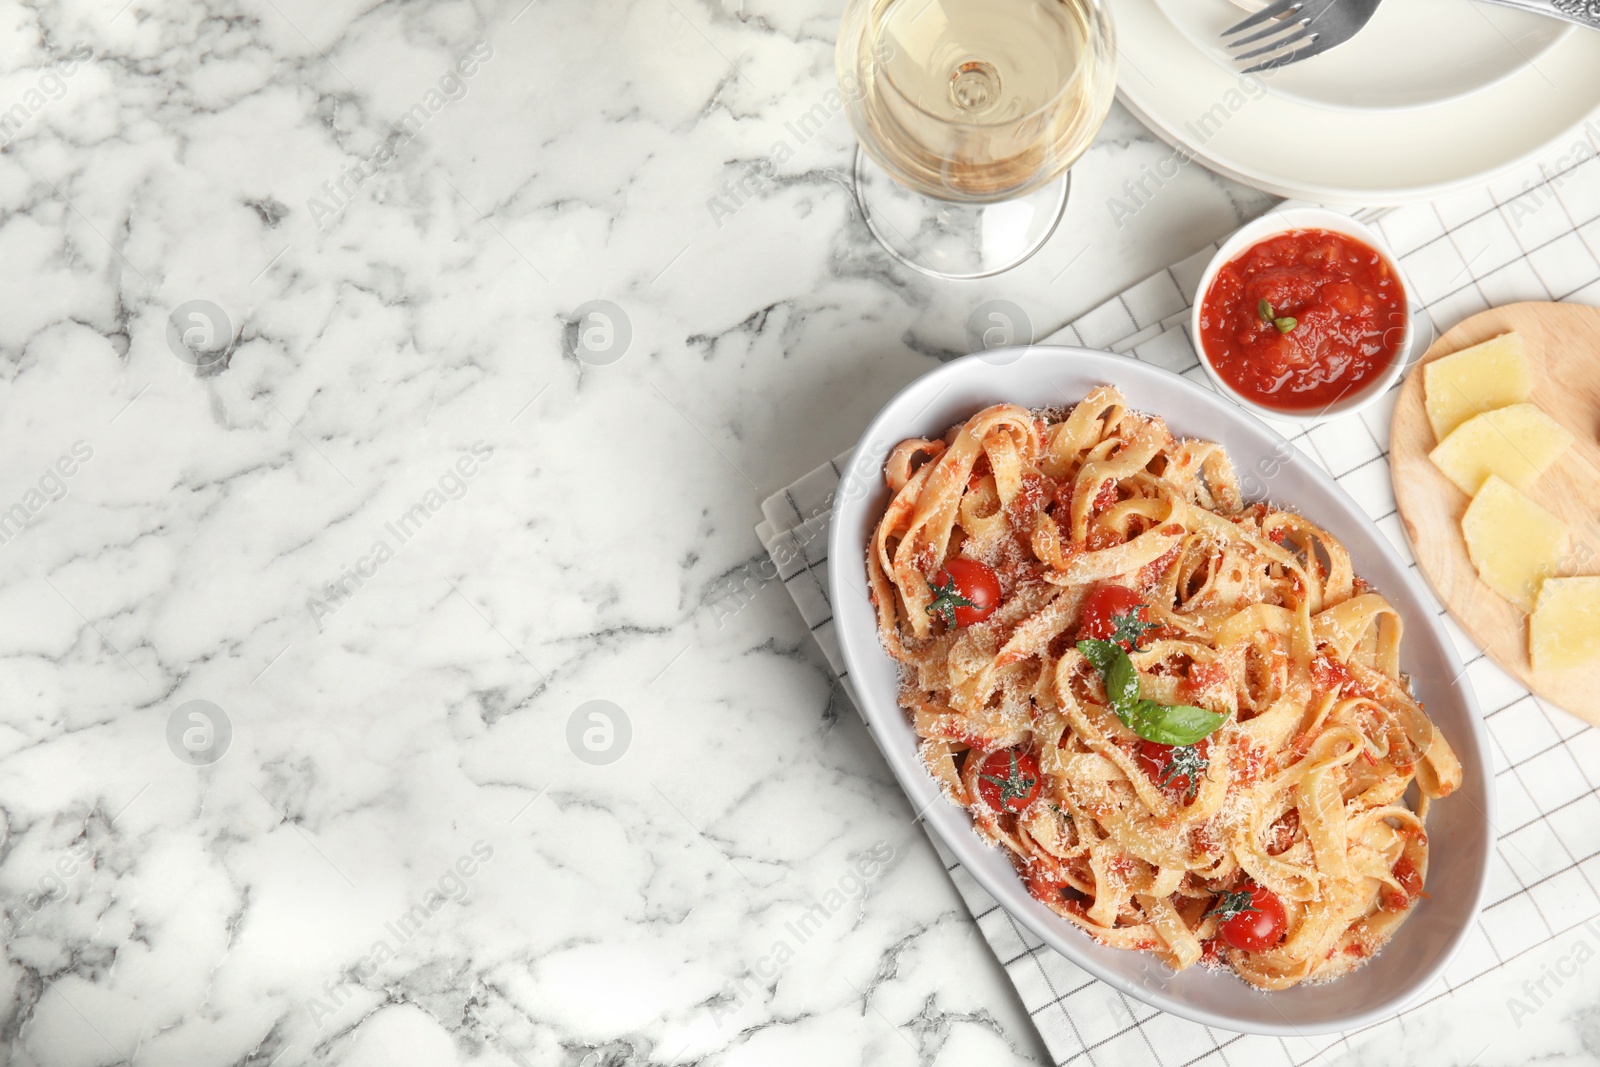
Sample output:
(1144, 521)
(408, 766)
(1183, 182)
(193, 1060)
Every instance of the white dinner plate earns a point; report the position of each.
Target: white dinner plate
(1468, 47)
(1459, 827)
(1242, 126)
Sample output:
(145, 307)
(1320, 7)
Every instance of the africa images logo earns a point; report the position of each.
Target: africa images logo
(852, 885)
(199, 732)
(451, 885)
(452, 85)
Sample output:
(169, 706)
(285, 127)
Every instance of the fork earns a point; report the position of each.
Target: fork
(1313, 25)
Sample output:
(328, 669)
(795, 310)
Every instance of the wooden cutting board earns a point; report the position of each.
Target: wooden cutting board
(1563, 342)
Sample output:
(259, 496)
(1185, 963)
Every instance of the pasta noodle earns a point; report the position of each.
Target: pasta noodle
(1312, 791)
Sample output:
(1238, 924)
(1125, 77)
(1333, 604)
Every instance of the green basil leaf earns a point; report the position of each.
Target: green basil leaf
(1175, 724)
(1122, 684)
(1103, 654)
(1143, 719)
(1178, 724)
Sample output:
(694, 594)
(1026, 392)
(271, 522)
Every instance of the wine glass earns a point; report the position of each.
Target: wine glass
(967, 114)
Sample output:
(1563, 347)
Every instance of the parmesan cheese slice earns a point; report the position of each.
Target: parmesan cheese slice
(1514, 543)
(1517, 443)
(1474, 380)
(1565, 629)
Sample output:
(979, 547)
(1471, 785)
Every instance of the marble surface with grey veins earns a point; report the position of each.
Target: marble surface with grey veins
(363, 703)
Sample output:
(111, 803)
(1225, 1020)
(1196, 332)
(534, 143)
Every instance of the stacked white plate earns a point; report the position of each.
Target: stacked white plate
(1432, 96)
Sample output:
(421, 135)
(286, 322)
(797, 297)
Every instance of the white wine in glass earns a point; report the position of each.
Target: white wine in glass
(970, 103)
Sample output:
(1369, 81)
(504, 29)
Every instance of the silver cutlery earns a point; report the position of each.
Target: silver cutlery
(1300, 29)
(1582, 12)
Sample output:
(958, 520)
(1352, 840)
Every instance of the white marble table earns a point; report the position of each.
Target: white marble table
(397, 523)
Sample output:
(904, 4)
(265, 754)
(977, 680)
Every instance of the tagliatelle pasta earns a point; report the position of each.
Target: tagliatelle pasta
(1075, 599)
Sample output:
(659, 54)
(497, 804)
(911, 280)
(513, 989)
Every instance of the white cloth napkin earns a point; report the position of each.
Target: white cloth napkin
(1515, 241)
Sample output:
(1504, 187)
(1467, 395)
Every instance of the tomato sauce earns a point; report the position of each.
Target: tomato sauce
(1204, 676)
(1029, 499)
(1151, 573)
(1329, 674)
(1410, 879)
(1303, 319)
(1281, 834)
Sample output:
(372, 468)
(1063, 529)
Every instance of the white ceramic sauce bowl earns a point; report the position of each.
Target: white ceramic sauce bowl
(1287, 220)
(1459, 827)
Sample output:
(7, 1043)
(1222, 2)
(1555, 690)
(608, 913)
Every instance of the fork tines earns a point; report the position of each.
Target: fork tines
(1291, 25)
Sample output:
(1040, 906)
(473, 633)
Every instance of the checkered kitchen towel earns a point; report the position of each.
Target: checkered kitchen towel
(1517, 240)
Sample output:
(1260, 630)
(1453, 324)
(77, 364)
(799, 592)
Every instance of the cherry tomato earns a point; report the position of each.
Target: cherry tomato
(1253, 918)
(1115, 612)
(1009, 779)
(1175, 768)
(965, 592)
